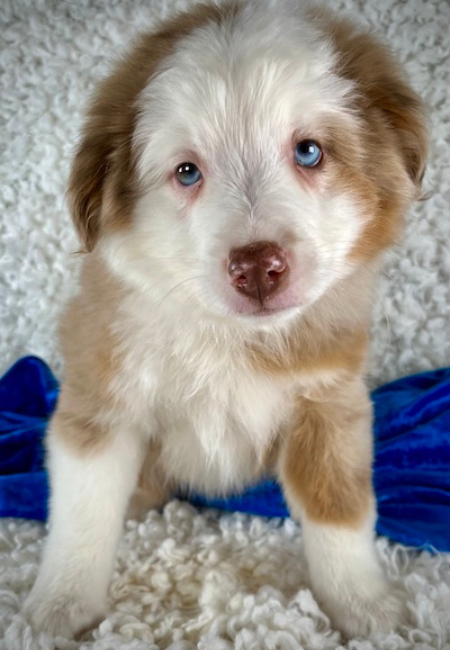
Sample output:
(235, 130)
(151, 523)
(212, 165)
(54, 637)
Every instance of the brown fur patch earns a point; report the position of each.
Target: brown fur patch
(391, 154)
(383, 98)
(307, 351)
(105, 162)
(82, 434)
(153, 489)
(381, 206)
(325, 465)
(92, 360)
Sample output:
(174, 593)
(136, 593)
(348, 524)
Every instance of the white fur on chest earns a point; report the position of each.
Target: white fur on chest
(214, 415)
(215, 439)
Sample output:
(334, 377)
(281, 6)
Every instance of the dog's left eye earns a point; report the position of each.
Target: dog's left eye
(308, 153)
(188, 174)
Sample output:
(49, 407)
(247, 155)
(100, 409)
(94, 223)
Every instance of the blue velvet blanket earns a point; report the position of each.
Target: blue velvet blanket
(411, 471)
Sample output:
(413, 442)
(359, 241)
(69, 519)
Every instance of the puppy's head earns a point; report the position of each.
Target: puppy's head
(244, 159)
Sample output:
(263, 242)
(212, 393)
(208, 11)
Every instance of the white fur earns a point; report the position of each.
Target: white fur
(214, 418)
(347, 579)
(89, 499)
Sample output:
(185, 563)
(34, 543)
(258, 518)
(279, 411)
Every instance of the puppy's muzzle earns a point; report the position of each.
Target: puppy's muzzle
(258, 270)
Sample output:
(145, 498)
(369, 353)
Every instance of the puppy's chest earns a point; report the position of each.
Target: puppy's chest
(216, 419)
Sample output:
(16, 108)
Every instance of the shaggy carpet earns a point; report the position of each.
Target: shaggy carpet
(185, 578)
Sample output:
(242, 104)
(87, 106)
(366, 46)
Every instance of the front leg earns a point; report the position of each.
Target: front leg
(325, 469)
(93, 472)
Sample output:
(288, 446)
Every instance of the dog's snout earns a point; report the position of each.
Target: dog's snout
(258, 270)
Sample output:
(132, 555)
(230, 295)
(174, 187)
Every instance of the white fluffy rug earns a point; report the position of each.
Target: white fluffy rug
(184, 578)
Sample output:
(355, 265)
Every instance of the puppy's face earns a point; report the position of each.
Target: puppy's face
(241, 198)
(263, 171)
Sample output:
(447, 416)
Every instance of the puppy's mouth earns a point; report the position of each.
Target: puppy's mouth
(249, 308)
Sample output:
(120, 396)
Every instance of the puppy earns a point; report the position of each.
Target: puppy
(239, 176)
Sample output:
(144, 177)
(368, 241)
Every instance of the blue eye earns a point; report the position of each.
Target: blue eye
(188, 174)
(307, 153)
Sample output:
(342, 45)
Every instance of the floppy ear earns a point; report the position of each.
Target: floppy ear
(404, 113)
(386, 93)
(103, 167)
(383, 93)
(86, 185)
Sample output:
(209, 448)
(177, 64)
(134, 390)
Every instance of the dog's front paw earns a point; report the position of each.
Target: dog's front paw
(65, 615)
(363, 616)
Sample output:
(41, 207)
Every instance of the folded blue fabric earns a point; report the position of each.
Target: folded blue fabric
(28, 394)
(411, 471)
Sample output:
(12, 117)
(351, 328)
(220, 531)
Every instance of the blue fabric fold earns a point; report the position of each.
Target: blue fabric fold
(411, 467)
(28, 394)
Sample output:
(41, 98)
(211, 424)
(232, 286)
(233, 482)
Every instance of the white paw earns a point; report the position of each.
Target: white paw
(65, 615)
(363, 617)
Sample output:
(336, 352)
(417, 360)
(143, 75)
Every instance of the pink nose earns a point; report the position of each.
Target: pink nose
(258, 270)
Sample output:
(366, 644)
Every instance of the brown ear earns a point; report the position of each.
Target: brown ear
(383, 93)
(404, 113)
(86, 185)
(385, 90)
(103, 167)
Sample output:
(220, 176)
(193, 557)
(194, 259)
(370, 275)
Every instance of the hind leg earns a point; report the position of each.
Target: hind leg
(153, 490)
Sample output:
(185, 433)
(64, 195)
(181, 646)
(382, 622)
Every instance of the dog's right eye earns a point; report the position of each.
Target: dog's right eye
(188, 174)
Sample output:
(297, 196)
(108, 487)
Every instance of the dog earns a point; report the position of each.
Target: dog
(239, 176)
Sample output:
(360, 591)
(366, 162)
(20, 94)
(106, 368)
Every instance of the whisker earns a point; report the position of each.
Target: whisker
(179, 284)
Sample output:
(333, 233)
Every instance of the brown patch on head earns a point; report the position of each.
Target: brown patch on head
(325, 464)
(104, 162)
(392, 139)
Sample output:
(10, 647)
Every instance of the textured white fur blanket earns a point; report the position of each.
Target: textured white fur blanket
(186, 579)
